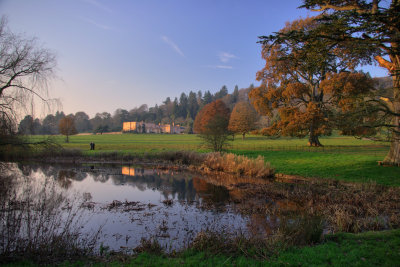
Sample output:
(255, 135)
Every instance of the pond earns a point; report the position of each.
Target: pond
(121, 205)
(129, 203)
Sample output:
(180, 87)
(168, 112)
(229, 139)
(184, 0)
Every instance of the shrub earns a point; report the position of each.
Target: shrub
(237, 164)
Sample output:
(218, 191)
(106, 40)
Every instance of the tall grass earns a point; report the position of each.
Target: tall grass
(301, 230)
(40, 222)
(237, 164)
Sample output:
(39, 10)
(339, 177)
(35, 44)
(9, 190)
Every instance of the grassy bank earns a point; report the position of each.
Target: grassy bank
(340, 166)
(366, 249)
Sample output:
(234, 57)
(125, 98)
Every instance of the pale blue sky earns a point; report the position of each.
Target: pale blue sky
(123, 53)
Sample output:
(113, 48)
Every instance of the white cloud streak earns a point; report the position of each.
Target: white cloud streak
(225, 56)
(172, 45)
(226, 67)
(98, 25)
(99, 5)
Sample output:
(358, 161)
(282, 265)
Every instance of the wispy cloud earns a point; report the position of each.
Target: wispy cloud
(225, 56)
(99, 5)
(172, 45)
(226, 67)
(98, 25)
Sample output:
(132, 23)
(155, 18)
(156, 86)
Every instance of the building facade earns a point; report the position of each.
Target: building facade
(147, 127)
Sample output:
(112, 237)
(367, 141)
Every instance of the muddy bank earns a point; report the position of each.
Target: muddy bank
(343, 207)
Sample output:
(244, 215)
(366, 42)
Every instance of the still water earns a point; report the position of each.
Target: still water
(129, 203)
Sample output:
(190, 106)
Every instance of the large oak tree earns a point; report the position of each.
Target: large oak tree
(291, 81)
(373, 27)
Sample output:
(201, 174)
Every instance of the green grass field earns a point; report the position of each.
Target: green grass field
(160, 142)
(366, 249)
(341, 157)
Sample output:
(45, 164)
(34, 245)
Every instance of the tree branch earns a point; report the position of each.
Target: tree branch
(385, 64)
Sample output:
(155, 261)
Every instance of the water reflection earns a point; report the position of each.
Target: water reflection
(135, 202)
(130, 202)
(209, 192)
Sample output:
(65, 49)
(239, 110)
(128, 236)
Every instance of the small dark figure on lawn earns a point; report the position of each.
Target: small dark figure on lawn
(91, 146)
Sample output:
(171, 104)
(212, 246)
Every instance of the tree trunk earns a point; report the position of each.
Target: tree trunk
(313, 139)
(243, 134)
(67, 140)
(393, 157)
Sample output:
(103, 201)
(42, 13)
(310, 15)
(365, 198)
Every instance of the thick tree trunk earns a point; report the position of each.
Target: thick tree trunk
(393, 157)
(313, 139)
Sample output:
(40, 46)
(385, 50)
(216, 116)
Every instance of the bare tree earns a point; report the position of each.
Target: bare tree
(25, 70)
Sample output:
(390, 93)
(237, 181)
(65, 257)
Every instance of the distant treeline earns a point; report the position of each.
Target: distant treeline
(182, 110)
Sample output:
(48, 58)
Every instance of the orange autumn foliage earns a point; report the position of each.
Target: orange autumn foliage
(67, 127)
(211, 123)
(306, 83)
(210, 112)
(243, 118)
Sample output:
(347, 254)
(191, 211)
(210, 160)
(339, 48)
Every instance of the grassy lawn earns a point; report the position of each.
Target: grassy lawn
(341, 166)
(366, 249)
(155, 142)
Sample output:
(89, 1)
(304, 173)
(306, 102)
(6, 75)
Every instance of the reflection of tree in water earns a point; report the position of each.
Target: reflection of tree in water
(171, 184)
(177, 185)
(25, 169)
(99, 177)
(64, 178)
(58, 171)
(209, 192)
(7, 181)
(184, 189)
